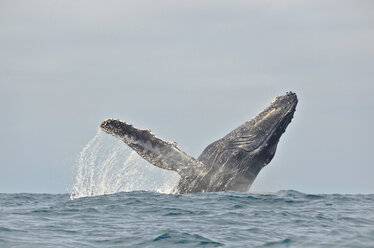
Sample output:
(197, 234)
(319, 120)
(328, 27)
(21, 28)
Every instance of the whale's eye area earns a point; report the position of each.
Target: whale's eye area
(272, 101)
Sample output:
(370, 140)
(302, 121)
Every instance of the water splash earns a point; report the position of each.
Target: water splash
(107, 165)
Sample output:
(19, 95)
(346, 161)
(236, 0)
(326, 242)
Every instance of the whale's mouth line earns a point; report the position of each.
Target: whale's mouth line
(281, 126)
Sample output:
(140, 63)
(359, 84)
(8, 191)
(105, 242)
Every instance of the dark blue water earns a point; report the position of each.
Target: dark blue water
(145, 219)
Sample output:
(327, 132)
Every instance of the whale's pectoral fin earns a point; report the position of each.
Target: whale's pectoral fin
(165, 155)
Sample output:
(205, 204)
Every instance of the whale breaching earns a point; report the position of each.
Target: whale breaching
(230, 163)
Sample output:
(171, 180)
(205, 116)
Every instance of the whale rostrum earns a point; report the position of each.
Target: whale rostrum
(230, 163)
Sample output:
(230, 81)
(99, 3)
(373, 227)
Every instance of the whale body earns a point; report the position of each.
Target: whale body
(230, 163)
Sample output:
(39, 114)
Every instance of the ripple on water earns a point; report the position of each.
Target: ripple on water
(146, 219)
(182, 238)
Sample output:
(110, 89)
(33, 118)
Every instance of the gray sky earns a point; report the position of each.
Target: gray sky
(191, 71)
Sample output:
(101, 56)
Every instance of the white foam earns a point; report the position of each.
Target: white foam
(106, 165)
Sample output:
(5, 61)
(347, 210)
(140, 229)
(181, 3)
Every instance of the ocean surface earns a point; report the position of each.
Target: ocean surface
(224, 219)
(120, 200)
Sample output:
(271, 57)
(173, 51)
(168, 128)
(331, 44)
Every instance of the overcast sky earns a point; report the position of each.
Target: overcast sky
(191, 71)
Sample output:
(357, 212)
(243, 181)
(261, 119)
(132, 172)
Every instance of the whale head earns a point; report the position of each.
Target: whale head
(270, 124)
(247, 149)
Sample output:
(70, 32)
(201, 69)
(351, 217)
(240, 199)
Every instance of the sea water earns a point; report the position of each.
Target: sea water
(119, 200)
(148, 219)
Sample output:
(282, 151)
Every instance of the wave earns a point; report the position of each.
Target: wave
(106, 166)
(285, 218)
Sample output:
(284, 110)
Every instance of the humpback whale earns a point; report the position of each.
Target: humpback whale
(230, 163)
